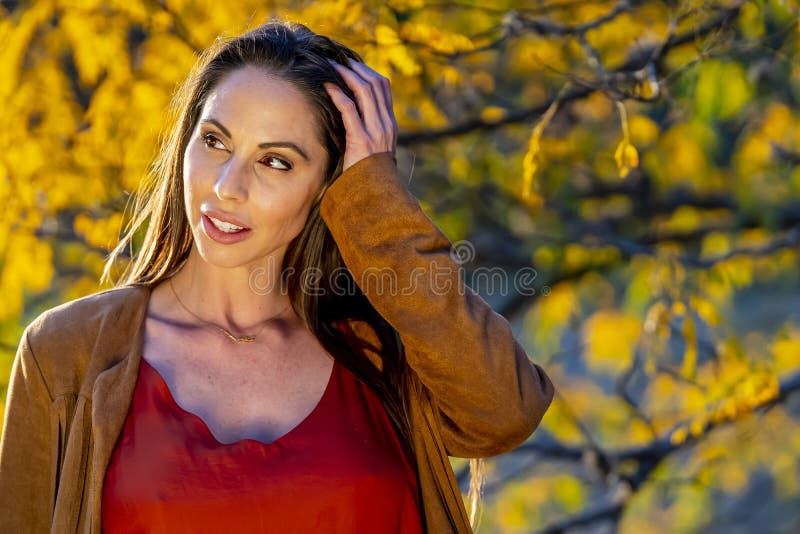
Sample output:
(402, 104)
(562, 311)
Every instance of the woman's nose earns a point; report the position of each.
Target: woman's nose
(232, 181)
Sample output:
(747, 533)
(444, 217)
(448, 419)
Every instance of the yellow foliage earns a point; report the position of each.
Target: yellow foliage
(545, 256)
(693, 400)
(778, 122)
(459, 167)
(430, 113)
(101, 233)
(610, 340)
(644, 131)
(436, 38)
(27, 265)
(165, 58)
(569, 492)
(391, 47)
(106, 49)
(680, 157)
(697, 426)
(614, 37)
(751, 20)
(678, 436)
(639, 433)
(530, 188)
(686, 158)
(786, 352)
(732, 477)
(557, 422)
(520, 504)
(754, 154)
(722, 89)
(406, 4)
(705, 309)
(386, 36)
(483, 81)
(738, 269)
(594, 108)
(576, 257)
(612, 206)
(16, 44)
(533, 52)
(349, 14)
(626, 155)
(451, 76)
(492, 114)
(559, 304)
(627, 158)
(715, 244)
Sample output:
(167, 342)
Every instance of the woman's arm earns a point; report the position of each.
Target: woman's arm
(26, 471)
(487, 394)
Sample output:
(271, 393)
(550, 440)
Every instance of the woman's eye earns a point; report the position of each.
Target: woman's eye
(285, 165)
(209, 139)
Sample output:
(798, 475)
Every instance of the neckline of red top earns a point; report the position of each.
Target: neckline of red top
(205, 430)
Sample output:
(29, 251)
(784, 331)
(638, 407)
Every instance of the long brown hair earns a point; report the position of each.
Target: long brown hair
(296, 54)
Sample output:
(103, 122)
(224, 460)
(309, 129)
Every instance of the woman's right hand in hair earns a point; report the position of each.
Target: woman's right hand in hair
(374, 130)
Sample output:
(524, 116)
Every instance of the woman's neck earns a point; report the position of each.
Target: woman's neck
(240, 299)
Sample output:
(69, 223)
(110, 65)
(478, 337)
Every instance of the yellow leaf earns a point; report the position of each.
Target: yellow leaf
(569, 492)
(787, 354)
(437, 39)
(678, 436)
(530, 193)
(384, 35)
(492, 114)
(627, 157)
(705, 309)
(610, 340)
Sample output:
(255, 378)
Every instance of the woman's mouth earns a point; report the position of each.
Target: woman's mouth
(223, 231)
(226, 227)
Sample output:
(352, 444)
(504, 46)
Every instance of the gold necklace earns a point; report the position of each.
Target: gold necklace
(237, 339)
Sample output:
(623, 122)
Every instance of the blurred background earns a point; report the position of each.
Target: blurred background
(642, 158)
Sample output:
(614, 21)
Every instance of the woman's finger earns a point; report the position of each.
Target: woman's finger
(366, 98)
(382, 88)
(350, 117)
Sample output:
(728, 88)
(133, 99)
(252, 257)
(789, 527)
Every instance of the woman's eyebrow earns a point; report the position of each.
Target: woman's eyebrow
(277, 144)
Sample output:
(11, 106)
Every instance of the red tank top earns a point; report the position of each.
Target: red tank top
(341, 470)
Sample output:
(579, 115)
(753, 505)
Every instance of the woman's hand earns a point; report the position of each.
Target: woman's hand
(375, 130)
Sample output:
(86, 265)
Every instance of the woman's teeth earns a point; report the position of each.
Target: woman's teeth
(224, 226)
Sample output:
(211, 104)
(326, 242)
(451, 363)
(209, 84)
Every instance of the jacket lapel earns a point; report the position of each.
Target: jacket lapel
(112, 392)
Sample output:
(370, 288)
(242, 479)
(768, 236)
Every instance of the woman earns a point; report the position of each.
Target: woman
(247, 373)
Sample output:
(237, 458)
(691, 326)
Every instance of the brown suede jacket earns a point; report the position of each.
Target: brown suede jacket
(475, 392)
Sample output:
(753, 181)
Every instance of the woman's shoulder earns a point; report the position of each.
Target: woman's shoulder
(64, 338)
(93, 311)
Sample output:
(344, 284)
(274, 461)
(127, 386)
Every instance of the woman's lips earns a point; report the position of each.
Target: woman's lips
(226, 238)
(222, 216)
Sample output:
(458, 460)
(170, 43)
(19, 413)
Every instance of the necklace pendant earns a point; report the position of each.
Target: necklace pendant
(245, 339)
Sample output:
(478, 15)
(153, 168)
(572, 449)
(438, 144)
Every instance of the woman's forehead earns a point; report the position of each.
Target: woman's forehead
(253, 101)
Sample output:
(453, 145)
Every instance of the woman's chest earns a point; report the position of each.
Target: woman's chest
(253, 392)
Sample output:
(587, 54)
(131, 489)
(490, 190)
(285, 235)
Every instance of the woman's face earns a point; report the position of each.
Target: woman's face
(251, 169)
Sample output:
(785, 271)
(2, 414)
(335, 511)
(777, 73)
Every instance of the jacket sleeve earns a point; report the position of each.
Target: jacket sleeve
(487, 394)
(25, 448)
